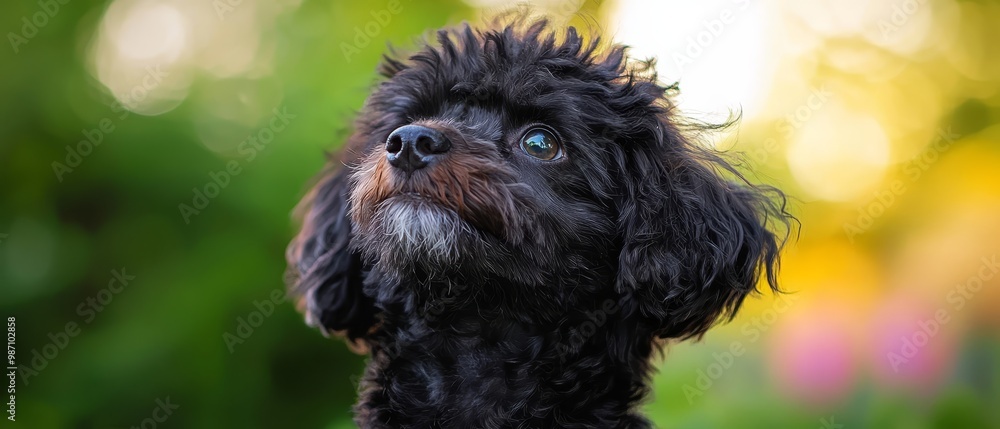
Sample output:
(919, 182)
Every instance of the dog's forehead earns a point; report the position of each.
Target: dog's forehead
(490, 89)
(518, 73)
(521, 83)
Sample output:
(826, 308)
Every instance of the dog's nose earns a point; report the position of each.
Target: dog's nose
(412, 147)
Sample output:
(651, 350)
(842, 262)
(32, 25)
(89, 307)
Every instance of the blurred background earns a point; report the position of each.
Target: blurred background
(152, 150)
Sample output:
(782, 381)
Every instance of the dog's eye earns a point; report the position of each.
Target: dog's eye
(541, 144)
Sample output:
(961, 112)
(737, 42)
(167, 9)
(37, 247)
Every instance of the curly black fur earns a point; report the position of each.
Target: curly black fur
(494, 290)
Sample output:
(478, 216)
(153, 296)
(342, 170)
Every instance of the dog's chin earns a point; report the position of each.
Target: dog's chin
(414, 230)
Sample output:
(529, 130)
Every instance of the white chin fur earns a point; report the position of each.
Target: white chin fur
(420, 229)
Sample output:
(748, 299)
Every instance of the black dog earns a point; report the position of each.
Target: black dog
(521, 222)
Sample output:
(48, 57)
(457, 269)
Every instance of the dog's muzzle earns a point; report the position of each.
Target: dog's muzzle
(427, 184)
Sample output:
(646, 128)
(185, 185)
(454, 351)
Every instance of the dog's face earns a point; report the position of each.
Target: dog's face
(555, 166)
(489, 163)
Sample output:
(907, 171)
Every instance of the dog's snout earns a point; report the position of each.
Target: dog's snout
(412, 147)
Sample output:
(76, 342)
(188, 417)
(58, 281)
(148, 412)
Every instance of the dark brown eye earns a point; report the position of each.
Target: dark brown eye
(541, 144)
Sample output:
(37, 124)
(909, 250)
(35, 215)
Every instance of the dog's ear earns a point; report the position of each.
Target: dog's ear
(694, 242)
(325, 274)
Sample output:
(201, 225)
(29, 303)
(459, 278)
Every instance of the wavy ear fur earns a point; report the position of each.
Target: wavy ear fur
(694, 243)
(325, 274)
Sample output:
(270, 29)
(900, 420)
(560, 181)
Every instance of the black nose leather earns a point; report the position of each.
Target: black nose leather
(412, 147)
